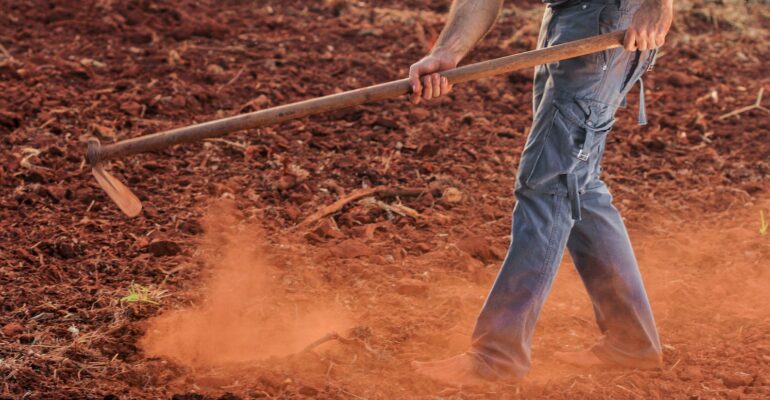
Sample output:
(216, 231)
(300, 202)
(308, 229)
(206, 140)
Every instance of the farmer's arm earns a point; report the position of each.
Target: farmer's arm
(469, 21)
(650, 25)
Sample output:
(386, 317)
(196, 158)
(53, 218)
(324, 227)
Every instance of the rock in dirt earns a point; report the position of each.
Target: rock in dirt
(351, 248)
(26, 339)
(327, 229)
(452, 195)
(411, 287)
(10, 120)
(215, 69)
(736, 379)
(419, 113)
(308, 391)
(680, 79)
(480, 248)
(691, 373)
(12, 329)
(191, 227)
(428, 150)
(163, 248)
(131, 107)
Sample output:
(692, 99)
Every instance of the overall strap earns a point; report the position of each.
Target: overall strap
(642, 110)
(574, 196)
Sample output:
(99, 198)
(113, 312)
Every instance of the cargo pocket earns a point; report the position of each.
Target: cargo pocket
(568, 152)
(642, 62)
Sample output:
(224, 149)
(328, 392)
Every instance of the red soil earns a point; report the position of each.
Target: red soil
(248, 295)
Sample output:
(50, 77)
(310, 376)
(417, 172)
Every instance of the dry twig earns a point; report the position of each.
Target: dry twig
(235, 145)
(757, 105)
(230, 82)
(359, 194)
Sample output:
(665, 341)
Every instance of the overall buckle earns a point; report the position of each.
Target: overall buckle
(582, 156)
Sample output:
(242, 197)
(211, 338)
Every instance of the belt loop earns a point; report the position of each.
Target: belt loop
(642, 111)
(574, 196)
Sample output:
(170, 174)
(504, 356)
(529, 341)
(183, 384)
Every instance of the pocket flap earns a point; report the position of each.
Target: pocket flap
(587, 114)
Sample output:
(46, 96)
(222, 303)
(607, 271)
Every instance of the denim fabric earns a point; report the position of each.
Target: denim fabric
(562, 202)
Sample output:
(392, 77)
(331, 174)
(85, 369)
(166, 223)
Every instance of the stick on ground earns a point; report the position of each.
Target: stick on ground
(757, 105)
(356, 195)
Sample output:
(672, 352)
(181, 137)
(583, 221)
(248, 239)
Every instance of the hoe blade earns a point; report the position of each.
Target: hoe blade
(118, 192)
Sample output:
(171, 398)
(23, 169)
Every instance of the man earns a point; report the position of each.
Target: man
(561, 200)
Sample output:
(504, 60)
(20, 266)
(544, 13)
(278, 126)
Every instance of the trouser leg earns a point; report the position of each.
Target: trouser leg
(574, 102)
(503, 332)
(602, 253)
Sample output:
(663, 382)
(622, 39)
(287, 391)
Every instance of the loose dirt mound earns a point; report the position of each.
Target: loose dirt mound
(404, 271)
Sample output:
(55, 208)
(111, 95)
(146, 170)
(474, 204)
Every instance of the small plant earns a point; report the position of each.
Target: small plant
(141, 294)
(763, 225)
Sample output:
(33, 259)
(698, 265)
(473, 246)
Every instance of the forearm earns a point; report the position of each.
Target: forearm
(469, 21)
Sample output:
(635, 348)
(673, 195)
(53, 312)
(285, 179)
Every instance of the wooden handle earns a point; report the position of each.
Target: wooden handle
(220, 127)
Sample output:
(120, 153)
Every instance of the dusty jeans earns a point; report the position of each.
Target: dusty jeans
(561, 201)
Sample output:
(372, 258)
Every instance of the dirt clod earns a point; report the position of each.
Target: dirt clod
(351, 248)
(452, 195)
(164, 248)
(12, 329)
(480, 248)
(412, 287)
(736, 379)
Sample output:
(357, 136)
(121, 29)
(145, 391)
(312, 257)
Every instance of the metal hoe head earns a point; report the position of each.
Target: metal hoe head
(115, 189)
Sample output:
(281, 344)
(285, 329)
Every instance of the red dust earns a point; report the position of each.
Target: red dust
(245, 315)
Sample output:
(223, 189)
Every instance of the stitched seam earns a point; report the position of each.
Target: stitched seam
(540, 149)
(549, 252)
(605, 56)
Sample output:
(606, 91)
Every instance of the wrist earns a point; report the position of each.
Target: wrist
(662, 4)
(452, 55)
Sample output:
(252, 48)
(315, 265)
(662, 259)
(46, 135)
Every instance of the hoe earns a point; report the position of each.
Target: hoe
(97, 155)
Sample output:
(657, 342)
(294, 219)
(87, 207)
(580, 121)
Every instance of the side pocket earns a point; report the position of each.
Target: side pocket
(569, 144)
(641, 63)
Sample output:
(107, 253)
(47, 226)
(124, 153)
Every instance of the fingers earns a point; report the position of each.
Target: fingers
(642, 40)
(436, 80)
(629, 43)
(426, 87)
(434, 86)
(427, 90)
(660, 40)
(445, 86)
(414, 80)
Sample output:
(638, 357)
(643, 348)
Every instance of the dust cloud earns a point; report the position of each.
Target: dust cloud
(245, 313)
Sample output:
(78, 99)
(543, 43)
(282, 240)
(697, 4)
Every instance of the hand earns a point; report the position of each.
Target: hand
(650, 25)
(424, 77)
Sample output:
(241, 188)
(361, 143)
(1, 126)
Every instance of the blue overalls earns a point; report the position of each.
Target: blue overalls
(562, 202)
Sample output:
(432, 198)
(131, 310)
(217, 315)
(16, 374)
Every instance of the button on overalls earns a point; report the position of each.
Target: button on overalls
(562, 202)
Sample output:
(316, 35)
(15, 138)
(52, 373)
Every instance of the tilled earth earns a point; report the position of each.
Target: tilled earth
(398, 274)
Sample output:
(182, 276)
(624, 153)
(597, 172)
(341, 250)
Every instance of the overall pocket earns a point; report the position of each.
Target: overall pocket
(571, 143)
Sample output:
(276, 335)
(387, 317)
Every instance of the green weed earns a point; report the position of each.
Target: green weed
(141, 294)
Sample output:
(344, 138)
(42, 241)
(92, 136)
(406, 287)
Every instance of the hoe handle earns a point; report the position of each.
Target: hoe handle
(220, 127)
